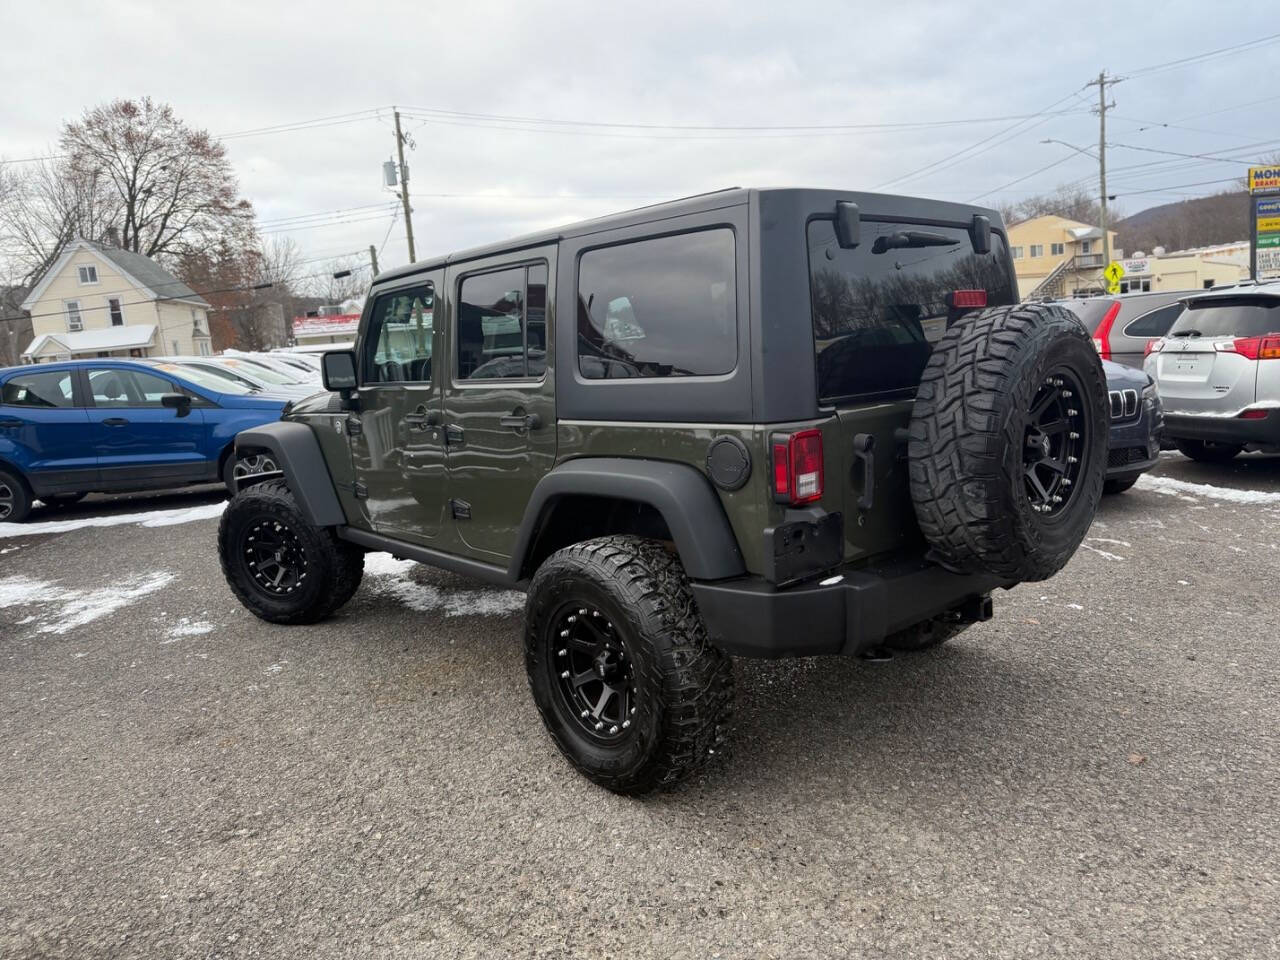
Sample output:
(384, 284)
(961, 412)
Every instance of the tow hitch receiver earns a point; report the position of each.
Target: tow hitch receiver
(975, 609)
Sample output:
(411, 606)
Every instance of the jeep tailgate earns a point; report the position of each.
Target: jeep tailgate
(878, 308)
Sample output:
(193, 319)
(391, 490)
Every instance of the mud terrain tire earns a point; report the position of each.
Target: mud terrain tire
(1013, 402)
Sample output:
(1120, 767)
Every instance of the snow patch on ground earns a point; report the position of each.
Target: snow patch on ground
(186, 627)
(391, 578)
(1180, 488)
(62, 609)
(147, 518)
(1103, 553)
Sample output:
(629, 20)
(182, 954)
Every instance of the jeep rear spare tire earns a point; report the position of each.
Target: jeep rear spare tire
(1008, 442)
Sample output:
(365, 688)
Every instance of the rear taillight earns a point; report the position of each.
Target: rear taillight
(1253, 348)
(797, 467)
(1254, 415)
(968, 299)
(1153, 346)
(1102, 336)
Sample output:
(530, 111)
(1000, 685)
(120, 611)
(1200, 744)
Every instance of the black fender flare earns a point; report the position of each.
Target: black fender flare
(680, 493)
(297, 451)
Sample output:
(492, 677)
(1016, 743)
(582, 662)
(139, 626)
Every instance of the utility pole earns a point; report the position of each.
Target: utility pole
(373, 258)
(1102, 84)
(404, 190)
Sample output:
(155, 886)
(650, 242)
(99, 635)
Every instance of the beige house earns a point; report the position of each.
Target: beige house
(100, 301)
(1056, 257)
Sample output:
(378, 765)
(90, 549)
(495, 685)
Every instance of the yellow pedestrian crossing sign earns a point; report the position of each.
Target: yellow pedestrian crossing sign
(1113, 273)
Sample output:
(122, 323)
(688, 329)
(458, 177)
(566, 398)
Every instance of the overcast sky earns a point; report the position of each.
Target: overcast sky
(230, 67)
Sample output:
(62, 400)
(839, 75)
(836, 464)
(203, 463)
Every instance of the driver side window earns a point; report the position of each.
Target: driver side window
(400, 341)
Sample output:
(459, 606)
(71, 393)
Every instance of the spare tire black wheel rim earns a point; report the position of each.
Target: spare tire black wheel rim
(593, 672)
(274, 557)
(1054, 441)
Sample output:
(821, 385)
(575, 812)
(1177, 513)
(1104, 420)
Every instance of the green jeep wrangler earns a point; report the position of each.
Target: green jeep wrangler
(766, 423)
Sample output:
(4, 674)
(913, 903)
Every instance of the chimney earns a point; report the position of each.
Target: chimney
(113, 237)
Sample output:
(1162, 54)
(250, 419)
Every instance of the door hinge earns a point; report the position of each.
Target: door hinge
(360, 490)
(461, 509)
(354, 427)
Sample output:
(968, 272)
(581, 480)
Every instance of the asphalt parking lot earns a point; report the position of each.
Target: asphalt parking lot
(1094, 773)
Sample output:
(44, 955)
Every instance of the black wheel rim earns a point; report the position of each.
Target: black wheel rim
(1054, 442)
(6, 500)
(593, 672)
(274, 557)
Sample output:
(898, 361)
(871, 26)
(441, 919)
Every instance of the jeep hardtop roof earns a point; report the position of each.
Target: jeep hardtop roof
(816, 199)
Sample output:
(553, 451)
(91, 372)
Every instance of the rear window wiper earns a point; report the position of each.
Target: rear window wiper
(1187, 333)
(905, 239)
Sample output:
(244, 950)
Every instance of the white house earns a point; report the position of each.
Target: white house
(100, 301)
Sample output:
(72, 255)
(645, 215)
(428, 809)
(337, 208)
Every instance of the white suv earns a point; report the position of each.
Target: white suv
(1218, 373)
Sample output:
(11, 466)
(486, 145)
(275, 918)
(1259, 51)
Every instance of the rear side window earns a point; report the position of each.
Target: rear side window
(879, 308)
(661, 307)
(1234, 317)
(1156, 323)
(37, 390)
(502, 324)
(115, 387)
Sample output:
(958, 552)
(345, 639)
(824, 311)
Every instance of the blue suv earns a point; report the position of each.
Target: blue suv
(86, 426)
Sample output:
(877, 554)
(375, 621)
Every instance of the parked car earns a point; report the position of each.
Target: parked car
(89, 426)
(1122, 326)
(851, 461)
(266, 362)
(247, 375)
(1136, 424)
(1218, 372)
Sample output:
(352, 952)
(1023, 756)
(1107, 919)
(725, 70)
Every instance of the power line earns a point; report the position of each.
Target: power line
(1174, 186)
(1028, 176)
(1201, 57)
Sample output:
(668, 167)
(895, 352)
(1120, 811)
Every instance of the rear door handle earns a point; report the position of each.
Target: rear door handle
(115, 422)
(521, 421)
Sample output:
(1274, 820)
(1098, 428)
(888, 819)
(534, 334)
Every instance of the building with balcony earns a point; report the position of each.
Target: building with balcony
(1057, 257)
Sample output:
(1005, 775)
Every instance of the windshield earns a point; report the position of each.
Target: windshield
(1229, 317)
(203, 378)
(879, 307)
(259, 372)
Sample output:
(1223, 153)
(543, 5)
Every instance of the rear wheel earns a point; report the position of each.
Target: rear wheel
(15, 499)
(1209, 451)
(282, 568)
(620, 666)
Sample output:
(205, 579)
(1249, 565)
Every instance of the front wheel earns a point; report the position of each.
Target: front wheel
(620, 666)
(283, 569)
(1209, 451)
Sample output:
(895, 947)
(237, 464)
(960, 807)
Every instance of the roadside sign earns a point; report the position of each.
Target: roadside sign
(1114, 272)
(1264, 179)
(1266, 233)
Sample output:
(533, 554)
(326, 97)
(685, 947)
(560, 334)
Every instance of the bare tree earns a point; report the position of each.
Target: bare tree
(338, 289)
(174, 184)
(44, 206)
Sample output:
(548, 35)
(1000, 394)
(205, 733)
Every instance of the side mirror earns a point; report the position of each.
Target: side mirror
(338, 370)
(848, 224)
(177, 401)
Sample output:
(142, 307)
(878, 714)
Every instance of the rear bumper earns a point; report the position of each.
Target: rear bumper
(1183, 426)
(750, 617)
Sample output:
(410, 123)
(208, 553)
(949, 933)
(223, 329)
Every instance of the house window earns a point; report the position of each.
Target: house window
(1086, 246)
(177, 349)
(74, 321)
(1037, 250)
(88, 274)
(195, 320)
(1016, 252)
(1057, 249)
(117, 315)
